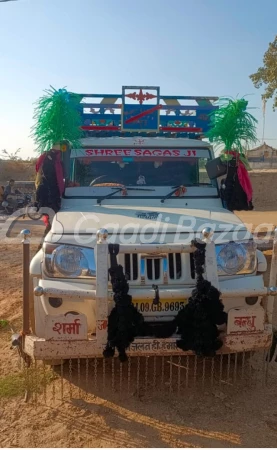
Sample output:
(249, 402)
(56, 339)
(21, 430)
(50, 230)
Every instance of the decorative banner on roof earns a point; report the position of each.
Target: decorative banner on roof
(130, 153)
(140, 108)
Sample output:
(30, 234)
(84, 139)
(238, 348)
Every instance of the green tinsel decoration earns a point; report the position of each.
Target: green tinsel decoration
(232, 125)
(57, 119)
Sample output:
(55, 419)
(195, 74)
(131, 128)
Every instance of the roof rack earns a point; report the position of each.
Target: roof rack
(143, 111)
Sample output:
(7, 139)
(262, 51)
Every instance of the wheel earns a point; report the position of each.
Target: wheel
(33, 214)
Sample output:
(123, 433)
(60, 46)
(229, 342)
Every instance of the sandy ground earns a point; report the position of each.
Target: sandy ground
(233, 417)
(257, 218)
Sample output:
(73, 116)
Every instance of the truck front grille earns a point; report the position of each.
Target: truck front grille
(154, 268)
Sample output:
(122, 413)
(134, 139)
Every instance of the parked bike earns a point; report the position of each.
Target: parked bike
(23, 201)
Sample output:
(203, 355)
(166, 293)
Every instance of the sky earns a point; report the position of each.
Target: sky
(199, 47)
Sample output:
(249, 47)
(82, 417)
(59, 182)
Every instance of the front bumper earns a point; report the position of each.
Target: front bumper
(41, 349)
(234, 341)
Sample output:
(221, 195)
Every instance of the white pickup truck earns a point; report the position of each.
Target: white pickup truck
(152, 196)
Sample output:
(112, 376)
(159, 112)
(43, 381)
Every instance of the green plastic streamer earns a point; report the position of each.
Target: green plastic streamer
(232, 125)
(57, 119)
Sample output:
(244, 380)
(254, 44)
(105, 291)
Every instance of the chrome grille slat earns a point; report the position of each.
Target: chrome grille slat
(165, 269)
(131, 267)
(175, 266)
(142, 271)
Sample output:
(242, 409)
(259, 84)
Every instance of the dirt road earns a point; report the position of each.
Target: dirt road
(210, 418)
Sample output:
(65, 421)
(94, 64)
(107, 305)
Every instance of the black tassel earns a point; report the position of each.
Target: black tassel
(197, 322)
(124, 322)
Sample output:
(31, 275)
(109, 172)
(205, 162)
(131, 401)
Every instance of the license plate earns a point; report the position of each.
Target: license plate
(165, 306)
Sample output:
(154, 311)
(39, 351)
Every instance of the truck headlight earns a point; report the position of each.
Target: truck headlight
(69, 261)
(236, 258)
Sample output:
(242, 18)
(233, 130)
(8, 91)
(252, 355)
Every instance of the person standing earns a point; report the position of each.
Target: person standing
(10, 194)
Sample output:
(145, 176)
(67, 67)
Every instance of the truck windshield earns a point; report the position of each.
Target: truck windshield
(92, 171)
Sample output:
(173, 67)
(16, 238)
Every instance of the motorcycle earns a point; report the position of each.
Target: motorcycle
(25, 202)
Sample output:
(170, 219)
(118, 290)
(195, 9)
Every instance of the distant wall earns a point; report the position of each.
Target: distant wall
(264, 189)
(267, 164)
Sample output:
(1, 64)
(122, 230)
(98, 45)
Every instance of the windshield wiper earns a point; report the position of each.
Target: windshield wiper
(175, 189)
(121, 188)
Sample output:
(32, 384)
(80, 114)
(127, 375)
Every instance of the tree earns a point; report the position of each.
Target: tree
(11, 156)
(267, 75)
